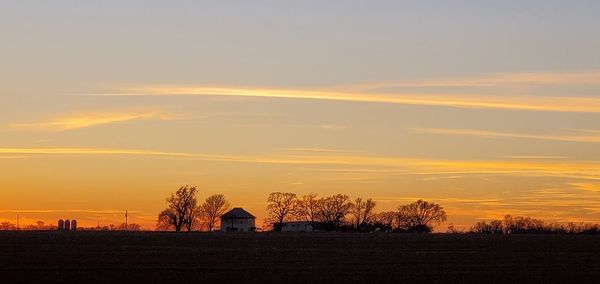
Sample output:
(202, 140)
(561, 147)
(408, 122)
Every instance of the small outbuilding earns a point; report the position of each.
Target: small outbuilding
(297, 226)
(238, 220)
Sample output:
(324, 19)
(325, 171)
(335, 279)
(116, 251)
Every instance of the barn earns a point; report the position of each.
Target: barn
(238, 220)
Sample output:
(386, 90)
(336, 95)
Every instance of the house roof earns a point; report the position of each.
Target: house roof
(237, 213)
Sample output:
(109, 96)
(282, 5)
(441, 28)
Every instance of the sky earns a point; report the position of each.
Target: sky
(485, 107)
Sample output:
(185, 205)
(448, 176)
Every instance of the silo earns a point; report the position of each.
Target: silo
(61, 225)
(67, 225)
(73, 225)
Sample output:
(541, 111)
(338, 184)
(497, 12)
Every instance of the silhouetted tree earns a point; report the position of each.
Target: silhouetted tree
(182, 210)
(362, 211)
(281, 205)
(267, 225)
(528, 225)
(166, 220)
(581, 228)
(420, 216)
(453, 230)
(333, 210)
(133, 227)
(520, 225)
(7, 226)
(307, 209)
(211, 210)
(41, 225)
(384, 220)
(494, 227)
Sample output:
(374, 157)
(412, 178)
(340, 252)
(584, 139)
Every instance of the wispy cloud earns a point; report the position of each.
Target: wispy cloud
(591, 77)
(381, 92)
(443, 200)
(588, 138)
(121, 152)
(506, 102)
(13, 157)
(45, 211)
(593, 187)
(567, 169)
(90, 120)
(318, 150)
(535, 157)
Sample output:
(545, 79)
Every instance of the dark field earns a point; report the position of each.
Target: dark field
(107, 257)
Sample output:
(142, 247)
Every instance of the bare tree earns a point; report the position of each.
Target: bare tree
(528, 225)
(213, 207)
(281, 205)
(133, 227)
(182, 210)
(452, 229)
(384, 220)
(362, 211)
(30, 228)
(420, 216)
(307, 209)
(482, 227)
(517, 225)
(7, 226)
(166, 220)
(333, 209)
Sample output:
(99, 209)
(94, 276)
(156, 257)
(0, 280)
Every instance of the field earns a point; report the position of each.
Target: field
(120, 257)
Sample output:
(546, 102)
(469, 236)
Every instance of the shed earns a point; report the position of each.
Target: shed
(238, 220)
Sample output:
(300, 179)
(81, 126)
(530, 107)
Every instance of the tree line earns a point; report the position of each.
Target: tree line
(528, 225)
(331, 213)
(336, 212)
(340, 213)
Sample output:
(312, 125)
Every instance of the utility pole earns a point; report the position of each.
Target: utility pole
(18, 228)
(126, 225)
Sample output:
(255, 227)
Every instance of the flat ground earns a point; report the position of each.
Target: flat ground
(119, 257)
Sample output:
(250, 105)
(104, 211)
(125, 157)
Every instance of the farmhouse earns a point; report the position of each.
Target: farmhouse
(238, 220)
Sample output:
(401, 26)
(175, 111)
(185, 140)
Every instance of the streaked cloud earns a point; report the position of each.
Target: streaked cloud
(591, 77)
(506, 102)
(318, 150)
(101, 151)
(592, 137)
(90, 120)
(535, 157)
(43, 211)
(13, 157)
(581, 170)
(444, 200)
(593, 187)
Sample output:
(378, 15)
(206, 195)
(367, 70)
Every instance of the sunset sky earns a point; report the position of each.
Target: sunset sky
(486, 107)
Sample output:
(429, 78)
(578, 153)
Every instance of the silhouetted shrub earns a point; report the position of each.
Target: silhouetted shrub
(528, 225)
